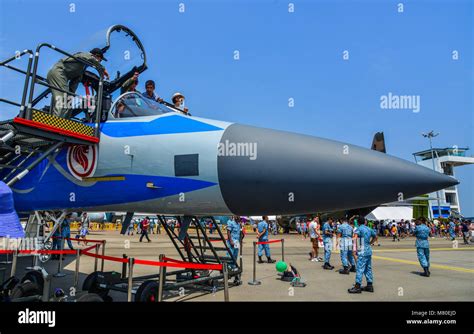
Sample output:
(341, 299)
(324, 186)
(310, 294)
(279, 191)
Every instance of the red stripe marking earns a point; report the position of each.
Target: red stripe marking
(267, 242)
(51, 128)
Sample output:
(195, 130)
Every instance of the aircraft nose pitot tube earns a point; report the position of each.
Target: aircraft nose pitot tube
(263, 171)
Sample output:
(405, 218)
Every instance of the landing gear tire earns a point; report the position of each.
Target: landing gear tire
(147, 292)
(90, 298)
(34, 277)
(26, 289)
(91, 285)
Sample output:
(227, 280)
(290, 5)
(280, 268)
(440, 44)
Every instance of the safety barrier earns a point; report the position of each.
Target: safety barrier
(163, 263)
(255, 243)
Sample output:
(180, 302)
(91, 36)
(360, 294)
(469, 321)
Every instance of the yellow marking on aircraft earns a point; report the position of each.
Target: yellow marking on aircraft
(438, 266)
(104, 178)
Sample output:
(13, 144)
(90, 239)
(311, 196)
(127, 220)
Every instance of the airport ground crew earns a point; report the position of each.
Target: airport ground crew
(422, 233)
(66, 232)
(233, 237)
(66, 74)
(327, 232)
(262, 235)
(345, 232)
(57, 240)
(451, 230)
(367, 237)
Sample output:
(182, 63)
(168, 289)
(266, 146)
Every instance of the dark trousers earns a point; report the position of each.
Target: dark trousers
(465, 236)
(144, 234)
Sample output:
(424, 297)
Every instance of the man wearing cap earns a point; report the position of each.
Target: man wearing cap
(262, 236)
(422, 233)
(451, 230)
(67, 73)
(233, 237)
(327, 231)
(367, 237)
(344, 232)
(178, 102)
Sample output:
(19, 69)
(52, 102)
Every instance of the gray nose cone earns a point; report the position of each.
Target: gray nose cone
(296, 174)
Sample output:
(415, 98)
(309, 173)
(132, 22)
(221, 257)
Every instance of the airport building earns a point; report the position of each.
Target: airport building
(444, 160)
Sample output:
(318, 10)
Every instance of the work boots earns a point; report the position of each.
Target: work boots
(426, 272)
(270, 260)
(355, 289)
(368, 288)
(327, 266)
(353, 269)
(260, 260)
(344, 271)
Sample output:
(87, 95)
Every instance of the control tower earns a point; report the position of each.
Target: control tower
(445, 159)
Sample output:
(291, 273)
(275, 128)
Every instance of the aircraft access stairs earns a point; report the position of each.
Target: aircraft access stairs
(195, 244)
(35, 134)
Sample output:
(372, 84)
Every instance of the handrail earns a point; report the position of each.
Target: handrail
(98, 108)
(27, 77)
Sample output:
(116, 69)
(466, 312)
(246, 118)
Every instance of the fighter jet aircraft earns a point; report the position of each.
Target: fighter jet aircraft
(152, 158)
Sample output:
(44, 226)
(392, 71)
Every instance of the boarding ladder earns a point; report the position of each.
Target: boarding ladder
(197, 245)
(34, 134)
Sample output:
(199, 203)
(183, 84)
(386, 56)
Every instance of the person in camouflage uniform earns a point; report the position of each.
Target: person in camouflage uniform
(67, 73)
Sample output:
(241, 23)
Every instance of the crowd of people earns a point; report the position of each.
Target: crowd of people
(396, 230)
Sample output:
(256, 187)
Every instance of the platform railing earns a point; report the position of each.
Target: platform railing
(98, 108)
(32, 78)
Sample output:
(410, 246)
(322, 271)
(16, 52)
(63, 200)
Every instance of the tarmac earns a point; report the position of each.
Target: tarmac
(395, 267)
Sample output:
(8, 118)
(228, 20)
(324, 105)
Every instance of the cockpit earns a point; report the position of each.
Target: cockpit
(134, 104)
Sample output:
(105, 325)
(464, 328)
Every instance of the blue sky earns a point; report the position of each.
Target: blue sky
(285, 55)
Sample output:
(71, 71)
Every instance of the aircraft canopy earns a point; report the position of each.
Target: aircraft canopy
(134, 104)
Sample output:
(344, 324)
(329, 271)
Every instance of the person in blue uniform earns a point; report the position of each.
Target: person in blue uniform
(451, 230)
(366, 237)
(422, 233)
(66, 231)
(262, 235)
(233, 238)
(328, 231)
(345, 232)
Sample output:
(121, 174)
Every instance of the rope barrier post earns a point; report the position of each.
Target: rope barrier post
(76, 272)
(283, 250)
(103, 254)
(15, 259)
(254, 281)
(131, 263)
(225, 271)
(124, 267)
(46, 288)
(96, 260)
(60, 263)
(161, 280)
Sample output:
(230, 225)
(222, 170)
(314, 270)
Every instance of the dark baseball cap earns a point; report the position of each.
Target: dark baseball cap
(98, 52)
